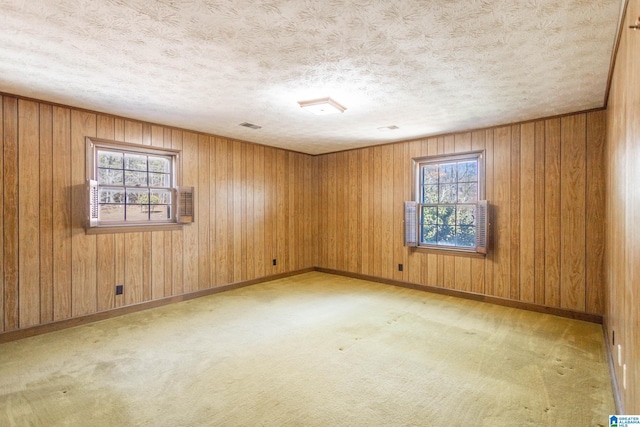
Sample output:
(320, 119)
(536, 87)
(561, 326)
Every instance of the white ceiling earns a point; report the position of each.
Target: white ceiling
(426, 66)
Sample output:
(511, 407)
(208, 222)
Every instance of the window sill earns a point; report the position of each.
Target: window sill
(449, 252)
(106, 229)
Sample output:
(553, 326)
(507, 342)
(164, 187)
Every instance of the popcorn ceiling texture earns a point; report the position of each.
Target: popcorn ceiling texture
(428, 67)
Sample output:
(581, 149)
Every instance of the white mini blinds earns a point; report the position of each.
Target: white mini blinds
(133, 185)
(448, 211)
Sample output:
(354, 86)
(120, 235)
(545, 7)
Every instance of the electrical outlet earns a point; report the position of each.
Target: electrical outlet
(400, 267)
(619, 355)
(119, 289)
(275, 262)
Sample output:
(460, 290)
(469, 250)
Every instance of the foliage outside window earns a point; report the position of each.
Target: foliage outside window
(131, 185)
(448, 208)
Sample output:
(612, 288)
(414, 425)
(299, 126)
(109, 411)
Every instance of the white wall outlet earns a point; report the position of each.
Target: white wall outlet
(619, 355)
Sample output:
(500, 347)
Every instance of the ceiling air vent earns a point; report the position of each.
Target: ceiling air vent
(250, 125)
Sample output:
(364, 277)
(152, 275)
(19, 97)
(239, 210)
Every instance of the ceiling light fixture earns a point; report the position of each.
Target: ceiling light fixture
(322, 106)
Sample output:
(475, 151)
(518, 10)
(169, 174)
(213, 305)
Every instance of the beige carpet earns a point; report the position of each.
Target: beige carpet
(312, 350)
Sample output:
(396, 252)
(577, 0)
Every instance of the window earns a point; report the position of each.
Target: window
(132, 186)
(448, 212)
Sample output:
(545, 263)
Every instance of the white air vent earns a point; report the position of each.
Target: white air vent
(250, 125)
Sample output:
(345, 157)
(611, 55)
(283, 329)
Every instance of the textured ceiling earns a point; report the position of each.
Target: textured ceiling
(426, 66)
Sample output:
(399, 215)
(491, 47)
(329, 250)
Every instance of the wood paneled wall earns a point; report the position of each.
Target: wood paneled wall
(254, 204)
(544, 180)
(622, 265)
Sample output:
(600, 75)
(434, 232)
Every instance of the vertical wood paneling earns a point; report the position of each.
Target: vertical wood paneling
(204, 251)
(399, 171)
(249, 229)
(28, 213)
(213, 214)
(416, 264)
(573, 158)
(83, 247)
(62, 255)
(134, 271)
(387, 253)
(514, 213)
(527, 213)
(539, 210)
(552, 208)
(259, 201)
(595, 215)
(190, 232)
(105, 243)
(502, 212)
(46, 213)
(224, 273)
(10, 205)
(2, 178)
(282, 214)
(177, 237)
(622, 225)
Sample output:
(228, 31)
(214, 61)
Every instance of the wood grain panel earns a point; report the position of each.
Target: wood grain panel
(105, 243)
(203, 212)
(83, 247)
(135, 265)
(10, 205)
(62, 254)
(222, 260)
(527, 213)
(595, 215)
(177, 237)
(573, 158)
(552, 208)
(258, 234)
(399, 171)
(46, 213)
(514, 213)
(502, 212)
(2, 292)
(539, 210)
(190, 231)
(622, 230)
(28, 213)
(387, 245)
(377, 211)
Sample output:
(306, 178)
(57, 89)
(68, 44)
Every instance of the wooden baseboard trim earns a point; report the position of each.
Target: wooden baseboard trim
(95, 317)
(587, 317)
(617, 398)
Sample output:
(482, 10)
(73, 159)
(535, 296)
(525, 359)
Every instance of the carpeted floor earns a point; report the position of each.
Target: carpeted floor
(312, 350)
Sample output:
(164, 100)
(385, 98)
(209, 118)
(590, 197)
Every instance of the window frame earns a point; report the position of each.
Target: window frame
(93, 145)
(417, 163)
